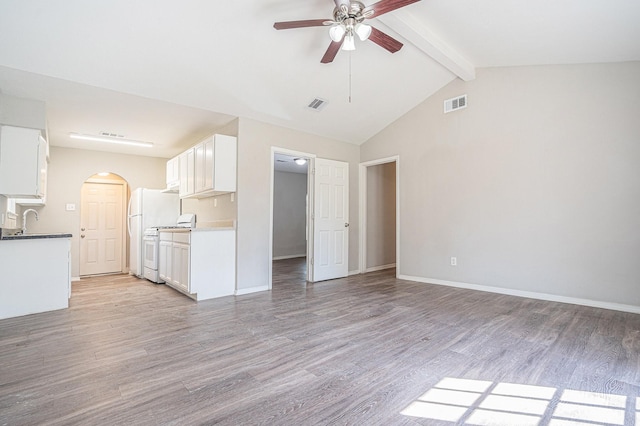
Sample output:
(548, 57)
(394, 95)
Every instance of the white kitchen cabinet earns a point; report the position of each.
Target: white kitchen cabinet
(164, 257)
(215, 167)
(173, 173)
(23, 164)
(199, 263)
(37, 277)
(186, 171)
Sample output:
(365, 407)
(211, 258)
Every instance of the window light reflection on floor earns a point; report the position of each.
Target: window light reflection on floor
(479, 402)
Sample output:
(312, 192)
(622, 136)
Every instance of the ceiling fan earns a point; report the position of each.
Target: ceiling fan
(347, 22)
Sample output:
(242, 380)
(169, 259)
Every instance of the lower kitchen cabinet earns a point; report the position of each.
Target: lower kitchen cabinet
(199, 263)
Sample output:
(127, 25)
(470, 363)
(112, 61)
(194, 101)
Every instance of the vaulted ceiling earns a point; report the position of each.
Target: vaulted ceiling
(169, 72)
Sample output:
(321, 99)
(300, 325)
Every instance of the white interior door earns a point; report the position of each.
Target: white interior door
(101, 222)
(330, 220)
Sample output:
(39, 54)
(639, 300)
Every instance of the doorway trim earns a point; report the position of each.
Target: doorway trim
(310, 181)
(363, 210)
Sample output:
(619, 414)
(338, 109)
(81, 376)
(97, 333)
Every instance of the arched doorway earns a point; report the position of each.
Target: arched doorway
(103, 236)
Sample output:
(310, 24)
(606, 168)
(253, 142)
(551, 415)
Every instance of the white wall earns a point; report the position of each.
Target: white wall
(289, 214)
(381, 215)
(68, 169)
(534, 187)
(255, 140)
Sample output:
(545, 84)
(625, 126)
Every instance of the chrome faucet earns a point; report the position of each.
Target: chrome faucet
(24, 219)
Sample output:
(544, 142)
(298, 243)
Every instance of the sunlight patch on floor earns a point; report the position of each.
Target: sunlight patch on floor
(484, 403)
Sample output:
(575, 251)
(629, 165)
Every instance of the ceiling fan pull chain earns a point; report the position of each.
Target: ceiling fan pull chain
(349, 76)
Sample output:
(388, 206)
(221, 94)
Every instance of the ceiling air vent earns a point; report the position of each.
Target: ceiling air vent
(111, 135)
(455, 103)
(317, 104)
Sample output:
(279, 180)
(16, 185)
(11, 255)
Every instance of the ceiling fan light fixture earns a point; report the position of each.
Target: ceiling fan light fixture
(363, 31)
(300, 161)
(336, 32)
(349, 42)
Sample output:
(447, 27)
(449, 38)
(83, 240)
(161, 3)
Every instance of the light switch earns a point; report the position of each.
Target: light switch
(71, 207)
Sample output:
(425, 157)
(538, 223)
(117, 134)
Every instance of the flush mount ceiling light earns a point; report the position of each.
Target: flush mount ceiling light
(106, 139)
(300, 161)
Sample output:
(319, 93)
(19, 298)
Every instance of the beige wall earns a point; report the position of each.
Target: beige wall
(255, 140)
(69, 168)
(534, 187)
(289, 214)
(381, 215)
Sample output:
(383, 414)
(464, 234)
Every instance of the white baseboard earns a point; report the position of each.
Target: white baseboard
(75, 278)
(241, 291)
(529, 294)
(292, 256)
(380, 268)
(356, 272)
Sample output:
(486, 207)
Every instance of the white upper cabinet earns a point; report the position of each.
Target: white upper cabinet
(214, 167)
(23, 164)
(186, 167)
(173, 173)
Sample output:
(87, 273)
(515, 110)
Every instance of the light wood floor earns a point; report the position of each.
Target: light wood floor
(358, 351)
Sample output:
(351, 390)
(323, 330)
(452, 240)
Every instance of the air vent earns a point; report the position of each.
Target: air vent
(454, 104)
(317, 104)
(111, 135)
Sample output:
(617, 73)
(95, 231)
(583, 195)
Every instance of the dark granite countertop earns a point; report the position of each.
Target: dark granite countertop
(33, 236)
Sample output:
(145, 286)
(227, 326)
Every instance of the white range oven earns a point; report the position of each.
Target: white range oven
(151, 249)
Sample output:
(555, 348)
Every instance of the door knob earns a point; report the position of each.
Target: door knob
(346, 225)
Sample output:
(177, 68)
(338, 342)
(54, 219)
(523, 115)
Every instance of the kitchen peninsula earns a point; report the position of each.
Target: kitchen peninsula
(36, 273)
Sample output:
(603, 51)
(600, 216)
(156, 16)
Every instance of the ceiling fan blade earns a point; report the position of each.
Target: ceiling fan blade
(384, 40)
(300, 24)
(384, 6)
(331, 52)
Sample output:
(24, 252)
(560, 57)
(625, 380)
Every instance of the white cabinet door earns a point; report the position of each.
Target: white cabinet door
(164, 261)
(173, 173)
(23, 163)
(180, 266)
(187, 173)
(203, 166)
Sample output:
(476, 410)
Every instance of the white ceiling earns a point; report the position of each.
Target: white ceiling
(170, 72)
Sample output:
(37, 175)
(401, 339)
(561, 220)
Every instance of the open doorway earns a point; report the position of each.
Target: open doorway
(379, 212)
(290, 218)
(103, 237)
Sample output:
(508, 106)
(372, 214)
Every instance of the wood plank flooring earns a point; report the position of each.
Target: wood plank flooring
(360, 351)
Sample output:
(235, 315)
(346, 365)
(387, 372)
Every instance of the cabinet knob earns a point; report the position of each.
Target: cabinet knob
(82, 236)
(82, 229)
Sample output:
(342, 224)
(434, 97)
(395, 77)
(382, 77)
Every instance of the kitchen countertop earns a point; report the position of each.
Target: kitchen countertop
(33, 236)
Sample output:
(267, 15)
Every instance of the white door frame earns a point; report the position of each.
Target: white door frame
(363, 210)
(125, 201)
(312, 157)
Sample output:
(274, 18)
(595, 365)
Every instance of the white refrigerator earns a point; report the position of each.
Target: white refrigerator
(148, 208)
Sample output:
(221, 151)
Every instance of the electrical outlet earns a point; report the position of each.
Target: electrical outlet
(454, 261)
(70, 207)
